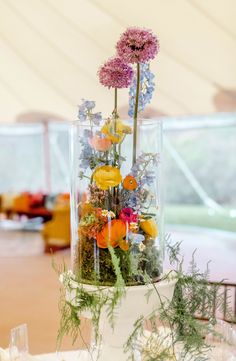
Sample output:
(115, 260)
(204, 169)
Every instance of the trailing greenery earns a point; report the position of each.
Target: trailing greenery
(76, 300)
(171, 332)
(119, 288)
(186, 334)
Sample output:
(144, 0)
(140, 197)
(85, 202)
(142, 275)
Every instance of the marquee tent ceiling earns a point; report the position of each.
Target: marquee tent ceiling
(50, 51)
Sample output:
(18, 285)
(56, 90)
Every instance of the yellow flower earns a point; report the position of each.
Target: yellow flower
(107, 176)
(107, 214)
(149, 226)
(121, 129)
(133, 227)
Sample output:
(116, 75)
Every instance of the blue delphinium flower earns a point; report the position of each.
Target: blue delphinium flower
(96, 118)
(86, 153)
(86, 112)
(146, 89)
(131, 200)
(145, 177)
(89, 104)
(87, 157)
(148, 178)
(142, 168)
(136, 238)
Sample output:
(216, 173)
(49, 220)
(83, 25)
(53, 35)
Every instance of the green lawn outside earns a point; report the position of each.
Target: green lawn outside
(197, 215)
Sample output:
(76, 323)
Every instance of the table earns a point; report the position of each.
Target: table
(215, 355)
(64, 356)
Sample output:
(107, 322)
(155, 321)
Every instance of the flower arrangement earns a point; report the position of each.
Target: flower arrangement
(116, 229)
(117, 206)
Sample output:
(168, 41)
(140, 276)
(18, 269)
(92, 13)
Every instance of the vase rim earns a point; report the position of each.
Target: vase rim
(167, 279)
(140, 121)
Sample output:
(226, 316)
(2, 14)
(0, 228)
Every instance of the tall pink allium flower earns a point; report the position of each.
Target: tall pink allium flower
(137, 45)
(115, 73)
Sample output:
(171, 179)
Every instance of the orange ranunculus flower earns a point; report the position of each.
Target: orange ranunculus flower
(121, 129)
(130, 183)
(124, 245)
(107, 176)
(100, 144)
(112, 234)
(149, 226)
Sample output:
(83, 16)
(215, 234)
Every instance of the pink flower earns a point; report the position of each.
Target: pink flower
(137, 45)
(128, 215)
(115, 73)
(100, 144)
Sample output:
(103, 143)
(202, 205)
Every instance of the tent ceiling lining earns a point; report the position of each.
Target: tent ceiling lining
(51, 50)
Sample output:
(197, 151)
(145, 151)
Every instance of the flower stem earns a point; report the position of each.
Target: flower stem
(115, 116)
(115, 112)
(115, 107)
(136, 115)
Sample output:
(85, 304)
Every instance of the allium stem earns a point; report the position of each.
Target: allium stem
(115, 116)
(136, 114)
(115, 113)
(115, 107)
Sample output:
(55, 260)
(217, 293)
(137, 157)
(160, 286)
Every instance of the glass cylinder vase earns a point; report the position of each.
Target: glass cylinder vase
(116, 201)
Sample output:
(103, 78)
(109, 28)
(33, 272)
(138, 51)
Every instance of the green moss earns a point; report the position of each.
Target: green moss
(96, 265)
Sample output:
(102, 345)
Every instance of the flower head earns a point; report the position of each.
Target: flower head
(147, 86)
(115, 73)
(100, 144)
(112, 234)
(124, 244)
(107, 176)
(137, 45)
(149, 226)
(133, 226)
(128, 215)
(136, 238)
(107, 214)
(130, 183)
(141, 247)
(86, 112)
(119, 134)
(86, 153)
(90, 223)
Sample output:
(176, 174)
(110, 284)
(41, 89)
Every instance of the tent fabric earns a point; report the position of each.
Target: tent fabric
(50, 52)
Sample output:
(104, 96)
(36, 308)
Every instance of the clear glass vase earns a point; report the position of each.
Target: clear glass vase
(116, 201)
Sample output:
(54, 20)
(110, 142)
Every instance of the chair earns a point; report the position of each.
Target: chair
(56, 233)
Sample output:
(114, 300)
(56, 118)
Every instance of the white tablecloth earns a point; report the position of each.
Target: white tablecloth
(64, 356)
(60, 356)
(218, 354)
(215, 355)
